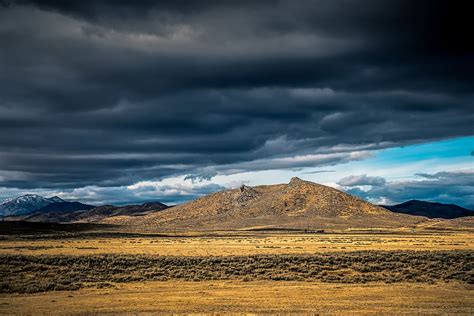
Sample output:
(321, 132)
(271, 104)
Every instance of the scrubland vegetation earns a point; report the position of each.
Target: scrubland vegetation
(30, 274)
(95, 273)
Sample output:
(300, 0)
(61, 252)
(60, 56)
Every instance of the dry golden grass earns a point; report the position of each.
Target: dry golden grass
(232, 245)
(148, 298)
(425, 281)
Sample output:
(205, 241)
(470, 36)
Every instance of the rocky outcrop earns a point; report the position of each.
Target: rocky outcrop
(246, 194)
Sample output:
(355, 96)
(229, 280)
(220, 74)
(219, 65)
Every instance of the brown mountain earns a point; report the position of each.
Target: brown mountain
(298, 204)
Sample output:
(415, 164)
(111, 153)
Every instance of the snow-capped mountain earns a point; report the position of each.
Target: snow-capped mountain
(25, 204)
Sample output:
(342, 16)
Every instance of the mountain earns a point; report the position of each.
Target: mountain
(56, 199)
(430, 209)
(65, 207)
(297, 205)
(107, 211)
(140, 209)
(89, 213)
(26, 204)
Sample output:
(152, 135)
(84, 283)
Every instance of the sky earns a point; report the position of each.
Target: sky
(132, 101)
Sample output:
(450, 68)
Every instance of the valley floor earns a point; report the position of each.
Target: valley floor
(352, 273)
(231, 245)
(248, 297)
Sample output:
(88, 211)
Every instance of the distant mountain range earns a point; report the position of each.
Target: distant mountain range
(94, 214)
(297, 205)
(26, 204)
(64, 207)
(430, 209)
(36, 208)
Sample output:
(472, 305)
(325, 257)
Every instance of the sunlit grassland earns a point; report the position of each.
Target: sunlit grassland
(239, 272)
(254, 244)
(290, 297)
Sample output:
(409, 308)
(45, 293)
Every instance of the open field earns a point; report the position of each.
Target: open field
(253, 244)
(255, 272)
(146, 298)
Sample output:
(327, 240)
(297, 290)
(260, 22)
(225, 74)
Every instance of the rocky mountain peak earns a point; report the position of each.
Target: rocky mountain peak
(295, 181)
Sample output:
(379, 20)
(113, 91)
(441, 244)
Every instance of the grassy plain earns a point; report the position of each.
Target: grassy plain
(251, 244)
(257, 297)
(249, 272)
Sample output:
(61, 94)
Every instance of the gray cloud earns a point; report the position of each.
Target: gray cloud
(361, 180)
(455, 187)
(108, 93)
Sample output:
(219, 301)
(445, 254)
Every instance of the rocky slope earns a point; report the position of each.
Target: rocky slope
(298, 204)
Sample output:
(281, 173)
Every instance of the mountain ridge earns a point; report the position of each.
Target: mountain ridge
(95, 213)
(65, 207)
(26, 204)
(298, 204)
(430, 209)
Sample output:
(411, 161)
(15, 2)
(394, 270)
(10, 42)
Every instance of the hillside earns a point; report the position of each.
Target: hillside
(65, 207)
(89, 214)
(298, 204)
(430, 209)
(54, 211)
(106, 211)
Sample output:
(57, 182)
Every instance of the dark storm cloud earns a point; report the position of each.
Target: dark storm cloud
(108, 93)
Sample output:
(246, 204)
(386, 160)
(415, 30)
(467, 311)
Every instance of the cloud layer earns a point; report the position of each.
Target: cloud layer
(111, 93)
(456, 187)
